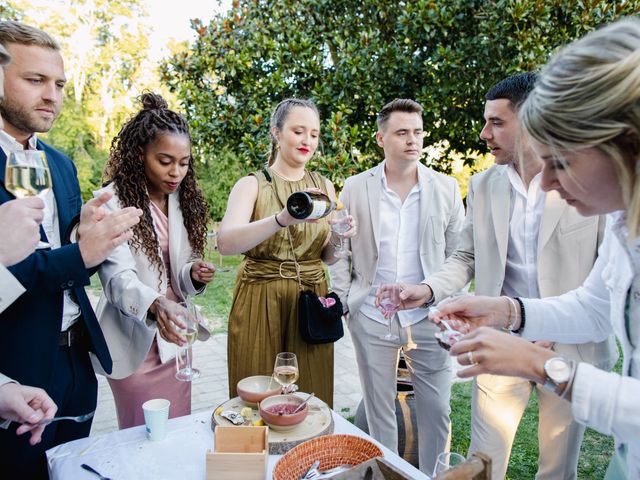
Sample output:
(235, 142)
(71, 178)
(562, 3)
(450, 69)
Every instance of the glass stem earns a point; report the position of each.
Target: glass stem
(188, 364)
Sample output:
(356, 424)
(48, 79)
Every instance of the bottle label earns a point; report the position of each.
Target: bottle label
(319, 209)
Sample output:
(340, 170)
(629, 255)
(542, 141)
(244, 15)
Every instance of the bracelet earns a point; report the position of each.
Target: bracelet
(278, 221)
(522, 316)
(569, 384)
(512, 323)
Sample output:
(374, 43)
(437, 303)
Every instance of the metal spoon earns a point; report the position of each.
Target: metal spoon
(301, 406)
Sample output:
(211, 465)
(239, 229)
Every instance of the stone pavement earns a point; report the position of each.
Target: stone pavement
(210, 390)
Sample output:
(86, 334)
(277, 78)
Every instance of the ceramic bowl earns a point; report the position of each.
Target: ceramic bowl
(255, 389)
(282, 422)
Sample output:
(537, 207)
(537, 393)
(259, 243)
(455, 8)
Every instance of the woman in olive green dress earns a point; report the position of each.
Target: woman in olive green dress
(264, 314)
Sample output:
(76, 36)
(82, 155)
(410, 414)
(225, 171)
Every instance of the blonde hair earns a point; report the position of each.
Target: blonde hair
(22, 34)
(588, 96)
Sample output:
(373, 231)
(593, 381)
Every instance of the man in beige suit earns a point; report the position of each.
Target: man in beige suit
(520, 242)
(409, 217)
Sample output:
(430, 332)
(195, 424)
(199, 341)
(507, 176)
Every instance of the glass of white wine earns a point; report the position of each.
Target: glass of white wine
(285, 370)
(27, 175)
(187, 373)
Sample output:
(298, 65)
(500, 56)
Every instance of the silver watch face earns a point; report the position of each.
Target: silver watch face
(558, 369)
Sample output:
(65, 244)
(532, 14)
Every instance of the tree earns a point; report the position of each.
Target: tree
(106, 50)
(353, 56)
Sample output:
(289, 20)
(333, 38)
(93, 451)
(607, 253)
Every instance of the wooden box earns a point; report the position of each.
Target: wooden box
(239, 452)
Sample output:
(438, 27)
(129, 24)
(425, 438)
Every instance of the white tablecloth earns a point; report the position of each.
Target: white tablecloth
(128, 455)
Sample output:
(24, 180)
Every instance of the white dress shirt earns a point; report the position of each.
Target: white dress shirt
(399, 258)
(10, 287)
(525, 215)
(71, 310)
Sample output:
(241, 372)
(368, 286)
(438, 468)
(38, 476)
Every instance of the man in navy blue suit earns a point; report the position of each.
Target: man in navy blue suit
(49, 330)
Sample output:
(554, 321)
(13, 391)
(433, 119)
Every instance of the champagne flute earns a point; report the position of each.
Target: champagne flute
(388, 309)
(190, 334)
(341, 225)
(447, 460)
(285, 370)
(27, 175)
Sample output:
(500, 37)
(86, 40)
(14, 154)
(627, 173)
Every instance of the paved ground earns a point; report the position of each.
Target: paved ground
(210, 389)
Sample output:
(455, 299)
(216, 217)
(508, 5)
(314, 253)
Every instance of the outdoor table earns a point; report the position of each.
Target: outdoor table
(128, 455)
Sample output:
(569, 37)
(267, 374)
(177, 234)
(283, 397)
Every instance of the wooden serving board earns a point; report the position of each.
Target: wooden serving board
(318, 422)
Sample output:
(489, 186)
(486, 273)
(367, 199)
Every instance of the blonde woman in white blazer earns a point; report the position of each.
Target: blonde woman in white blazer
(151, 164)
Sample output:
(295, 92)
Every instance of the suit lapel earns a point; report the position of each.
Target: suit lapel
(426, 194)
(554, 207)
(60, 190)
(500, 205)
(374, 184)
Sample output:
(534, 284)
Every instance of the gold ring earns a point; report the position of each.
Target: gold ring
(470, 358)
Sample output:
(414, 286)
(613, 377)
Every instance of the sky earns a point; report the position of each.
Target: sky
(172, 19)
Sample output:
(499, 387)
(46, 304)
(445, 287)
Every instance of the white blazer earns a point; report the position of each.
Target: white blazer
(605, 401)
(130, 284)
(567, 249)
(441, 217)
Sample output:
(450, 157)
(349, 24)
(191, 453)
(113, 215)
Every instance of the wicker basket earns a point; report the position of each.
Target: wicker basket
(331, 450)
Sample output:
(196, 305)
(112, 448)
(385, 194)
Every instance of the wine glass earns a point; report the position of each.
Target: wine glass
(27, 175)
(388, 305)
(341, 225)
(447, 460)
(190, 334)
(285, 370)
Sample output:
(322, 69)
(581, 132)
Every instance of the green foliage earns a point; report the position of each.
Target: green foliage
(353, 56)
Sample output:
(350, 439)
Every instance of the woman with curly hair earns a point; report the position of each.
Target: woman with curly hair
(150, 167)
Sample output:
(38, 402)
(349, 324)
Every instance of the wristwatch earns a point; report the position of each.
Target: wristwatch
(557, 371)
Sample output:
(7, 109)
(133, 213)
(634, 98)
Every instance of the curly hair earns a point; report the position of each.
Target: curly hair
(125, 168)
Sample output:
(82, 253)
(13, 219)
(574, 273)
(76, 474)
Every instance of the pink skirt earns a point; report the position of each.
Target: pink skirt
(152, 380)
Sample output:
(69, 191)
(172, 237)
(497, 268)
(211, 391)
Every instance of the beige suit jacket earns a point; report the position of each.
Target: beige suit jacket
(567, 248)
(130, 285)
(441, 218)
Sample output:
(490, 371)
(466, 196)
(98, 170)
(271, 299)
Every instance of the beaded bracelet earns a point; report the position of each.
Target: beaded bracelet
(522, 316)
(512, 323)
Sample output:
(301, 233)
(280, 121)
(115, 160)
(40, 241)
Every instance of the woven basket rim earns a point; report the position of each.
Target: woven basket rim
(332, 450)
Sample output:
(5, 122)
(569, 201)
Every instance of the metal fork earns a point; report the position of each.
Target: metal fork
(315, 474)
(78, 418)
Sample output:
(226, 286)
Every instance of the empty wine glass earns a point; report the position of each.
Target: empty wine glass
(447, 460)
(27, 175)
(285, 370)
(190, 334)
(388, 308)
(341, 225)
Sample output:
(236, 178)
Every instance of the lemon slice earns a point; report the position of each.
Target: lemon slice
(258, 423)
(218, 411)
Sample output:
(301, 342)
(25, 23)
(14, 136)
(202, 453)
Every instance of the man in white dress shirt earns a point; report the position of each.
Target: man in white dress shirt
(409, 217)
(519, 241)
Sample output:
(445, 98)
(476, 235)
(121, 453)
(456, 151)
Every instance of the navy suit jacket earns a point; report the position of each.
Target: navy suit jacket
(31, 325)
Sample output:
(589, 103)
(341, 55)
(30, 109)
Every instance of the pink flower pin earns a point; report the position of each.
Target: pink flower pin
(327, 302)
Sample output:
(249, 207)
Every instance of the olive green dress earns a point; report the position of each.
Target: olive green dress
(264, 315)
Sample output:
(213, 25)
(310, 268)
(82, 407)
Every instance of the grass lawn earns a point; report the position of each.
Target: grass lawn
(596, 448)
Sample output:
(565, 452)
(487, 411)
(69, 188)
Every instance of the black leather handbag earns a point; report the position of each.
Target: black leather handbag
(317, 323)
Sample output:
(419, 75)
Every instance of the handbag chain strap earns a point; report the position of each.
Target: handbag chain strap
(293, 252)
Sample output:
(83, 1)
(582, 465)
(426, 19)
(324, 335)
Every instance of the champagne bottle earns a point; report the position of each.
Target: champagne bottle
(310, 205)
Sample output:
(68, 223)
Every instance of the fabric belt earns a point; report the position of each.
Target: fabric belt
(72, 335)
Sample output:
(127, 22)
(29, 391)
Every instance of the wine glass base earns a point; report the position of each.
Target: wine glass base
(187, 374)
(389, 337)
(339, 254)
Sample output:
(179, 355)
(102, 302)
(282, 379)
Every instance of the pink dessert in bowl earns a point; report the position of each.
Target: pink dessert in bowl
(277, 412)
